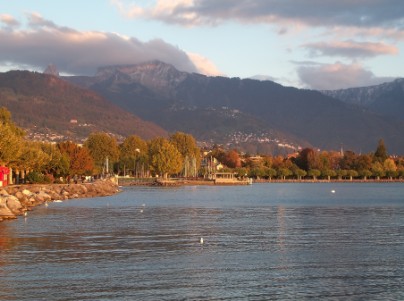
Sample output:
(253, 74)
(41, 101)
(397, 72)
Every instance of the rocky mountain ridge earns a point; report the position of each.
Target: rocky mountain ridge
(204, 106)
(384, 99)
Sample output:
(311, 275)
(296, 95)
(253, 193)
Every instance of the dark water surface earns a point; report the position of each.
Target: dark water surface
(261, 242)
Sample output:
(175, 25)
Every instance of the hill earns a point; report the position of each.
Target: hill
(48, 105)
(386, 99)
(236, 111)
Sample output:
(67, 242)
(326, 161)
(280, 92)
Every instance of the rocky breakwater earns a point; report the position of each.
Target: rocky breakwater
(16, 200)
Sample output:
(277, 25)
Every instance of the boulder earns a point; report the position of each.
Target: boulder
(14, 205)
(5, 212)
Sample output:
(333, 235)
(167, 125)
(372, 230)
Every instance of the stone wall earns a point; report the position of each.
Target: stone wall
(17, 199)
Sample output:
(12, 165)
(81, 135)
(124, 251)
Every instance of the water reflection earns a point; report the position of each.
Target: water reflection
(105, 249)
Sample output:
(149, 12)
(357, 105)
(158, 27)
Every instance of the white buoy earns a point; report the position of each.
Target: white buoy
(333, 191)
(46, 204)
(201, 240)
(141, 210)
(25, 213)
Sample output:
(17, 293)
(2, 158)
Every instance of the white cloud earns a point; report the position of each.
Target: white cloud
(77, 52)
(351, 49)
(337, 76)
(371, 13)
(9, 21)
(204, 65)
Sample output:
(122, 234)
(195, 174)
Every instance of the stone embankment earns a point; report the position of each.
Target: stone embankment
(16, 200)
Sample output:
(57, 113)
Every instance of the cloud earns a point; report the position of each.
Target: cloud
(9, 21)
(372, 13)
(351, 49)
(76, 52)
(337, 76)
(204, 65)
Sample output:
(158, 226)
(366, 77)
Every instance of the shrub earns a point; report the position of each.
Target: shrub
(35, 177)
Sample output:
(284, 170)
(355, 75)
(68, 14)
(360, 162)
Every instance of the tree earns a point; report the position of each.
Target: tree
(270, 173)
(164, 157)
(300, 173)
(362, 162)
(80, 160)
(341, 173)
(133, 151)
(10, 145)
(390, 167)
(189, 151)
(103, 148)
(256, 173)
(381, 152)
(315, 173)
(5, 119)
(284, 172)
(308, 159)
(11, 139)
(351, 173)
(348, 160)
(58, 164)
(328, 173)
(365, 173)
(232, 159)
(32, 158)
(377, 170)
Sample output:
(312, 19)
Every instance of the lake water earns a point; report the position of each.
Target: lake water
(328, 241)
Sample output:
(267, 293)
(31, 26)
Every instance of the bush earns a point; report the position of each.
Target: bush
(35, 177)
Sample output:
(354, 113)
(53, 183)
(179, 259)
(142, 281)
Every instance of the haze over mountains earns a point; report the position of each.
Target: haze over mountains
(255, 116)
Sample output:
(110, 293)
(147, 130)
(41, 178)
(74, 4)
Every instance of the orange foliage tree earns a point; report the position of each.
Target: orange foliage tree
(81, 161)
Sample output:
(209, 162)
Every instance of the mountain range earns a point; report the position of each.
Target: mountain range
(49, 107)
(154, 98)
(386, 99)
(243, 113)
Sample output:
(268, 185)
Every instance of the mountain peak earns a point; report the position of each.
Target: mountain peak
(153, 74)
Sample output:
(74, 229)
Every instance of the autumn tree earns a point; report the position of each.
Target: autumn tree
(300, 173)
(58, 163)
(164, 157)
(284, 172)
(32, 158)
(189, 151)
(348, 161)
(80, 160)
(232, 159)
(11, 139)
(103, 148)
(308, 159)
(5, 119)
(378, 170)
(390, 167)
(10, 145)
(380, 154)
(315, 173)
(133, 152)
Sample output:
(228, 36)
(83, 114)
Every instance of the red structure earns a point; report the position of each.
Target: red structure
(4, 172)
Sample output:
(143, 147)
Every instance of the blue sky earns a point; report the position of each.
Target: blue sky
(316, 44)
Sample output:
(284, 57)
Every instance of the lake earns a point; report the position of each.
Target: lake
(321, 241)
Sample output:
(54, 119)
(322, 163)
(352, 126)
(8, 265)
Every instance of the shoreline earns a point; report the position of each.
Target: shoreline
(16, 200)
(201, 182)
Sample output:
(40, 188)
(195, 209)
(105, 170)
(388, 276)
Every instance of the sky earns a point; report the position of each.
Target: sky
(313, 44)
